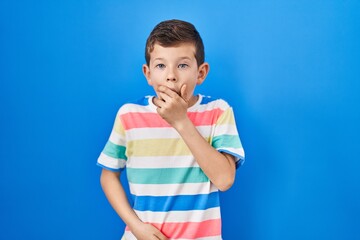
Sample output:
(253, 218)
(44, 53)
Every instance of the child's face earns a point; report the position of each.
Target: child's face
(174, 67)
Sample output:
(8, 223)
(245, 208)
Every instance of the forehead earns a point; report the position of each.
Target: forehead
(179, 50)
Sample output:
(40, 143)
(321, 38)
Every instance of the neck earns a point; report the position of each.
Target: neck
(193, 100)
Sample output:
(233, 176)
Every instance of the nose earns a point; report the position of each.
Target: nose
(171, 76)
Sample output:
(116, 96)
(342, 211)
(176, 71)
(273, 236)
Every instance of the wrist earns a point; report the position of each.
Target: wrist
(134, 223)
(134, 228)
(182, 125)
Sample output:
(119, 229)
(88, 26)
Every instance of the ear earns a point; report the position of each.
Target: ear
(146, 72)
(202, 72)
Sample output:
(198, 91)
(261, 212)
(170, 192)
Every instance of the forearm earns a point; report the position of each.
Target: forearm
(116, 195)
(218, 167)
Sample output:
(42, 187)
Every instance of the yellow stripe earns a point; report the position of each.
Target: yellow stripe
(157, 147)
(226, 117)
(118, 127)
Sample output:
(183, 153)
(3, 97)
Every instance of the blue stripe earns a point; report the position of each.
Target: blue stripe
(176, 203)
(110, 169)
(239, 163)
(239, 159)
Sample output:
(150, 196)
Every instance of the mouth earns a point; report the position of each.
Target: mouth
(174, 90)
(178, 92)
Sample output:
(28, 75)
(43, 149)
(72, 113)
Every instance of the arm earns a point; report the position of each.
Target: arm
(218, 167)
(111, 185)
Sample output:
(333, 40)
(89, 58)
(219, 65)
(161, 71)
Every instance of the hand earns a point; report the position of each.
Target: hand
(146, 231)
(171, 106)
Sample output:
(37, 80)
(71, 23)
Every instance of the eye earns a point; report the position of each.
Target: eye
(160, 66)
(183, 65)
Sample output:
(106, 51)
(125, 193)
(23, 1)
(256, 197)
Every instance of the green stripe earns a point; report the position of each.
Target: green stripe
(232, 141)
(166, 175)
(114, 150)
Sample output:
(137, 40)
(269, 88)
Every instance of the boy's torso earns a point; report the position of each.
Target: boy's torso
(169, 189)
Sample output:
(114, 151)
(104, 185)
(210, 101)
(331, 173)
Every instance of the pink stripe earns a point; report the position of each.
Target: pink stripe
(190, 230)
(142, 120)
(149, 120)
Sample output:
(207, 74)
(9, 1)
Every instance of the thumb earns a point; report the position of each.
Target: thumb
(183, 93)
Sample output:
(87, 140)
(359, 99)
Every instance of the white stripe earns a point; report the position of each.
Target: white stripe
(162, 162)
(204, 238)
(172, 189)
(179, 216)
(214, 104)
(151, 133)
(205, 131)
(132, 107)
(163, 133)
(208, 107)
(110, 162)
(128, 236)
(226, 129)
(117, 138)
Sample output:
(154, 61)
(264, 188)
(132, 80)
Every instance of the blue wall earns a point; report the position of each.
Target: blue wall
(291, 69)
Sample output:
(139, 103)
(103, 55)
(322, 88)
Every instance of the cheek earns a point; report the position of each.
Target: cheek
(190, 88)
(158, 79)
(154, 83)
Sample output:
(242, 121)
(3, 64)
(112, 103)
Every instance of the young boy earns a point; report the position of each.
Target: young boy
(179, 149)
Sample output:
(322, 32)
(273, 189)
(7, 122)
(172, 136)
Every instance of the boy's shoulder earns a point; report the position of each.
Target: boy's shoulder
(213, 102)
(143, 101)
(138, 105)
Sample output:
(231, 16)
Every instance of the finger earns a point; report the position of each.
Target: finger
(168, 91)
(165, 97)
(160, 236)
(158, 102)
(183, 93)
(156, 237)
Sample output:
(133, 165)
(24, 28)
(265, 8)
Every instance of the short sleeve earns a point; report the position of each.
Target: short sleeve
(113, 156)
(226, 137)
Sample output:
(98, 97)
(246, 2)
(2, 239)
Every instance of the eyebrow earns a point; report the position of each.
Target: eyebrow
(184, 58)
(160, 59)
(180, 58)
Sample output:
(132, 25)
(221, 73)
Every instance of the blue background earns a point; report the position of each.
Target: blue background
(291, 70)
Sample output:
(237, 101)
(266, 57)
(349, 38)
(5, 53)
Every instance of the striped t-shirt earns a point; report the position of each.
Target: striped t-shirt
(168, 188)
